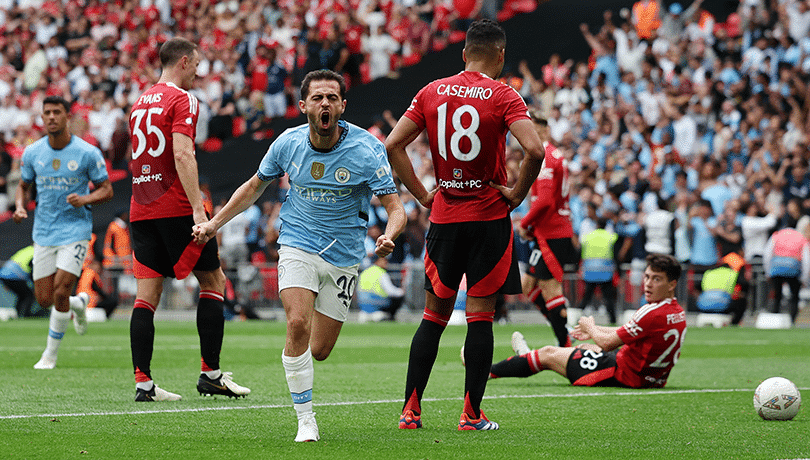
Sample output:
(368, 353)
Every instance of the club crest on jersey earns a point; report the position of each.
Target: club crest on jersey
(342, 175)
(56, 164)
(317, 170)
(73, 165)
(456, 174)
(146, 169)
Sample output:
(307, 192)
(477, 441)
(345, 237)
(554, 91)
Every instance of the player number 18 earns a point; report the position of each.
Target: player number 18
(459, 132)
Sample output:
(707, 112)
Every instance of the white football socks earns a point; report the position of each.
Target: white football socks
(56, 330)
(300, 374)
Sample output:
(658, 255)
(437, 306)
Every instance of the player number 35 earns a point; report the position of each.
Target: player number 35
(143, 121)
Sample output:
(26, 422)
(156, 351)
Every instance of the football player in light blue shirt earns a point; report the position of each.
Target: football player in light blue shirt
(333, 167)
(62, 166)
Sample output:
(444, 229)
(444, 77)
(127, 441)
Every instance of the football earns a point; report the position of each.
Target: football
(777, 398)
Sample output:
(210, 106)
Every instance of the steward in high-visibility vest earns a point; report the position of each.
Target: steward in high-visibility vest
(724, 289)
(598, 263)
(16, 277)
(377, 296)
(599, 266)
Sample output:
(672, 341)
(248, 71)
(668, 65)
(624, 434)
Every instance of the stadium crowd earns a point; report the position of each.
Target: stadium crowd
(675, 116)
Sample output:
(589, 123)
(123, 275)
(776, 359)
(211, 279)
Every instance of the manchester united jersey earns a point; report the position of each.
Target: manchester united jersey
(156, 189)
(549, 216)
(466, 117)
(652, 344)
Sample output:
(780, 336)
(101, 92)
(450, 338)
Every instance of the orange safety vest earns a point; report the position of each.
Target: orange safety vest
(86, 285)
(117, 246)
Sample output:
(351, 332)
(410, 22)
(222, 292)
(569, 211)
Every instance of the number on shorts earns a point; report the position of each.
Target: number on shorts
(590, 359)
(81, 251)
(346, 285)
(534, 257)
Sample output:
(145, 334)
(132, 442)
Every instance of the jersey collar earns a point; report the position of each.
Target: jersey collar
(341, 124)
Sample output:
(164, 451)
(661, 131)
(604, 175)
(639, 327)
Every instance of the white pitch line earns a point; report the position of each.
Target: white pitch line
(635, 393)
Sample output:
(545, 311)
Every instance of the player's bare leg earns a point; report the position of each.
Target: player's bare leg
(299, 306)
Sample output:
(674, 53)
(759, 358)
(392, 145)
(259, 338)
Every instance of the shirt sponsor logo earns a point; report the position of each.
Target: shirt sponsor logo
(146, 169)
(458, 184)
(321, 195)
(57, 183)
(456, 173)
(472, 92)
(342, 175)
(317, 169)
(147, 178)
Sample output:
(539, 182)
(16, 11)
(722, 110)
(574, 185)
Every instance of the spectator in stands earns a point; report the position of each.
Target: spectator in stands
(275, 97)
(379, 46)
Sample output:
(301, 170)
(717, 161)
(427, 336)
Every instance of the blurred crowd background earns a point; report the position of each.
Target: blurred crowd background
(698, 111)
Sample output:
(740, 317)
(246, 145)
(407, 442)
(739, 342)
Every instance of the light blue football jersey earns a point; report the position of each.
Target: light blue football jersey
(56, 174)
(326, 209)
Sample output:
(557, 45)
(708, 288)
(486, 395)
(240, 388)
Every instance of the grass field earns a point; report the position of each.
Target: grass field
(85, 408)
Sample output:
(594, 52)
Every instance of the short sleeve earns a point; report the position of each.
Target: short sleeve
(97, 167)
(269, 167)
(27, 167)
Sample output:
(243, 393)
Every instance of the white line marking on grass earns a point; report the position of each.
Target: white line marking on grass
(381, 401)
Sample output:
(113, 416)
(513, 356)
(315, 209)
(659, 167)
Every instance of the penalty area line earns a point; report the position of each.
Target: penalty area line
(382, 401)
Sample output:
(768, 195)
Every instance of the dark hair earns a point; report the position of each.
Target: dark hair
(485, 37)
(174, 49)
(665, 263)
(323, 74)
(58, 100)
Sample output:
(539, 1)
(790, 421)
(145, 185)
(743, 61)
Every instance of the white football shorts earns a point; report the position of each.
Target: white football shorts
(68, 257)
(333, 285)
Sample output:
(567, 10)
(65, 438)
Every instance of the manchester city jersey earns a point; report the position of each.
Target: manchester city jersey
(327, 206)
(57, 174)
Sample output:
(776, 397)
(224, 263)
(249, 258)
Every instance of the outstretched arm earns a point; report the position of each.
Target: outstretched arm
(605, 337)
(242, 198)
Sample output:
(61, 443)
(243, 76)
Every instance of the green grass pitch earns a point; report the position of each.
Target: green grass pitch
(85, 407)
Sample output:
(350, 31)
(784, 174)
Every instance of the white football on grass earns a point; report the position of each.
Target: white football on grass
(777, 398)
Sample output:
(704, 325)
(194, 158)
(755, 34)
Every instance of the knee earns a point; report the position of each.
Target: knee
(297, 326)
(545, 353)
(321, 354)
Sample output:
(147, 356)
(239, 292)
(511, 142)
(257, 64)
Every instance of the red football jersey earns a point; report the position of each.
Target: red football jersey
(549, 216)
(467, 117)
(156, 189)
(652, 344)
